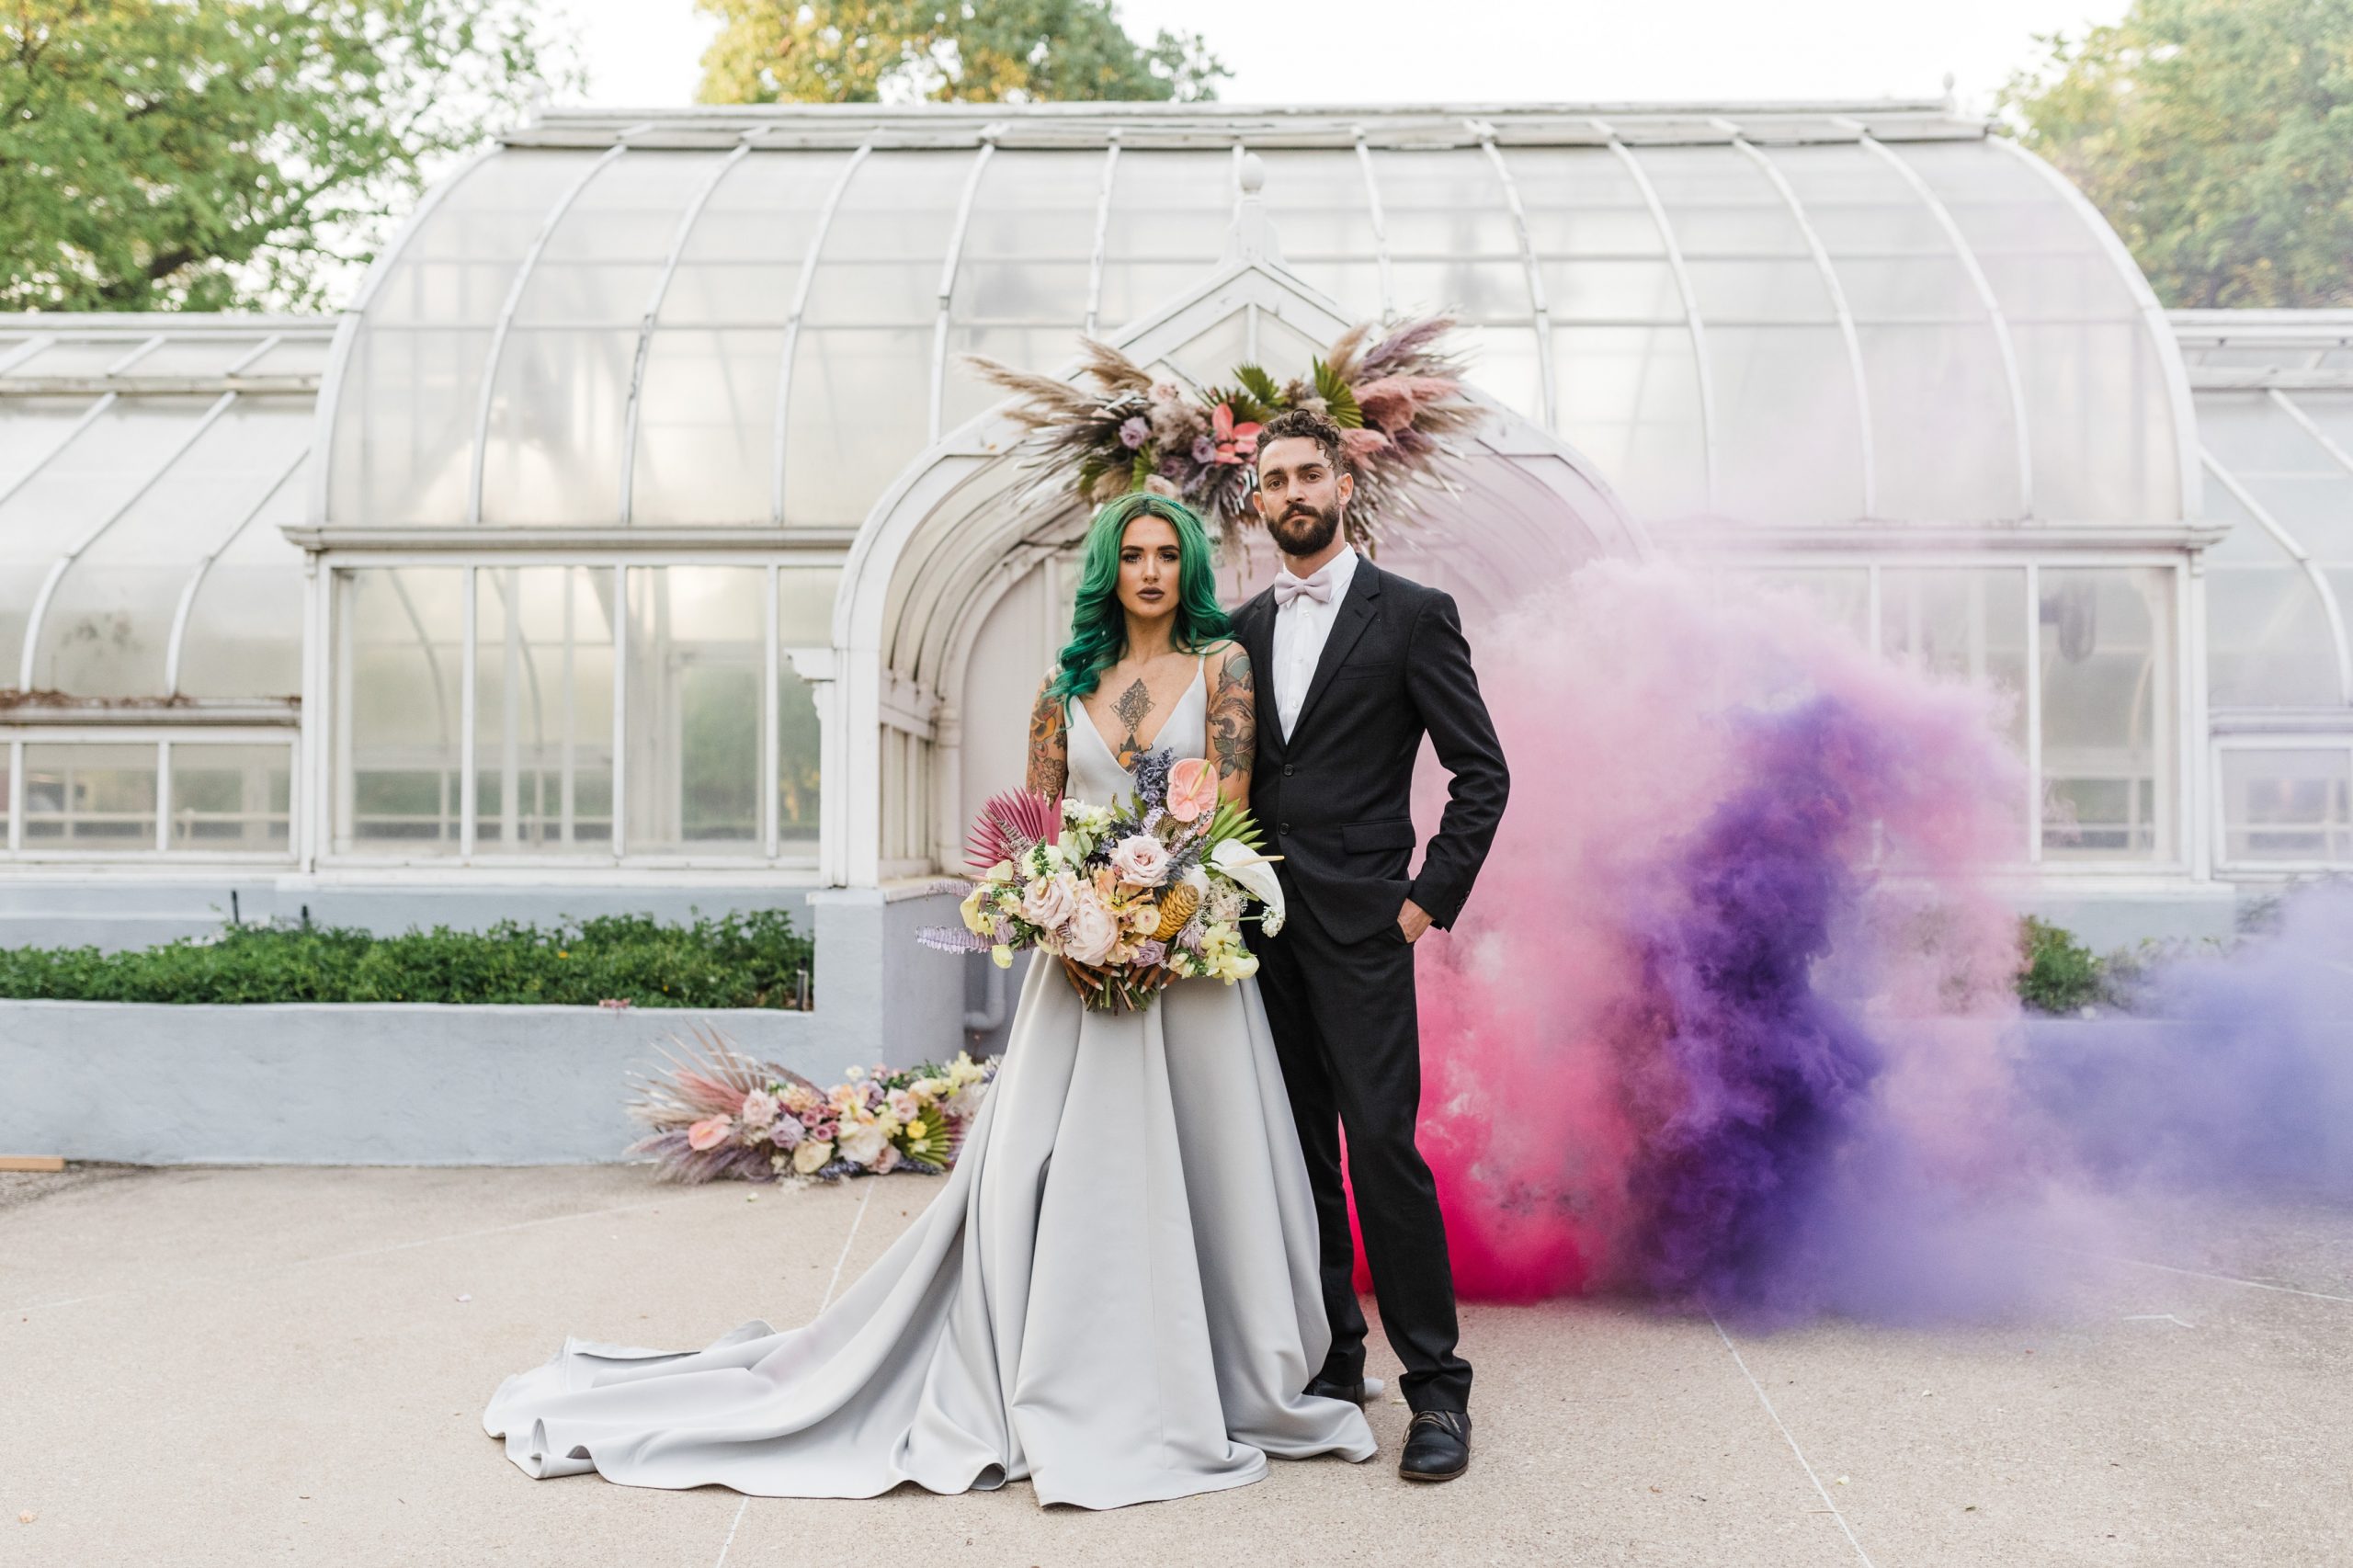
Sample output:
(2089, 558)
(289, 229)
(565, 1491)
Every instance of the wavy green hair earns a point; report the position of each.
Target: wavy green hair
(1099, 626)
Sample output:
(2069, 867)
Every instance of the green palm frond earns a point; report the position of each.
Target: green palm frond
(1338, 400)
(1230, 820)
(1267, 396)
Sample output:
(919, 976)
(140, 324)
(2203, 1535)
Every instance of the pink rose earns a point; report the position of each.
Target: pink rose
(1047, 902)
(1094, 931)
(760, 1108)
(707, 1133)
(1139, 860)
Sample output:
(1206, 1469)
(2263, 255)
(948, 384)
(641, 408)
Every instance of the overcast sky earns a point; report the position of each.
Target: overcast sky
(648, 51)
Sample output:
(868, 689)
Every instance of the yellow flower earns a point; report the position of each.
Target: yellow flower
(1001, 956)
(974, 919)
(812, 1155)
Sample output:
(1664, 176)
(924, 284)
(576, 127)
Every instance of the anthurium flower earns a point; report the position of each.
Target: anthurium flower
(1192, 789)
(1235, 443)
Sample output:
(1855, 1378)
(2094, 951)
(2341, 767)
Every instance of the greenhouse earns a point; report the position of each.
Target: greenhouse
(638, 527)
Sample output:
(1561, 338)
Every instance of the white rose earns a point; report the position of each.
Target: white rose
(1094, 930)
(760, 1108)
(1141, 859)
(864, 1140)
(1048, 901)
(812, 1156)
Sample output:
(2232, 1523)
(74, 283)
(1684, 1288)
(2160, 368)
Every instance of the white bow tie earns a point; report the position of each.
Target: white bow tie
(1318, 587)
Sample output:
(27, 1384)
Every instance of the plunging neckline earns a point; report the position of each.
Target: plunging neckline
(1200, 676)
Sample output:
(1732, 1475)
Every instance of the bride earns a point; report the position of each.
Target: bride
(1114, 1293)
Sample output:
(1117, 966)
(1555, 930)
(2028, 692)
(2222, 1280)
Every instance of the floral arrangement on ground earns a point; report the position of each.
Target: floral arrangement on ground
(718, 1113)
(1398, 400)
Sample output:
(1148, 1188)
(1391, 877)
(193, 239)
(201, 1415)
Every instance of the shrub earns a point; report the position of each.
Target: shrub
(2061, 974)
(753, 958)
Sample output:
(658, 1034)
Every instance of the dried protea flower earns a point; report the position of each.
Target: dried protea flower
(1176, 907)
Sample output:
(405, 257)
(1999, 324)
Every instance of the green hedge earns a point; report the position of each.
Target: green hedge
(751, 960)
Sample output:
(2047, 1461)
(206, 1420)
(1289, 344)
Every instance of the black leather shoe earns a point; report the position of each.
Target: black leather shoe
(1438, 1445)
(1353, 1392)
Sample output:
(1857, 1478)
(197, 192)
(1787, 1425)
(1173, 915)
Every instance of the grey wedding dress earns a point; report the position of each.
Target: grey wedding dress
(1113, 1294)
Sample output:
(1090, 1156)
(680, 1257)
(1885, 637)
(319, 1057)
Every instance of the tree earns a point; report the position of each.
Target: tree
(961, 51)
(2217, 136)
(211, 155)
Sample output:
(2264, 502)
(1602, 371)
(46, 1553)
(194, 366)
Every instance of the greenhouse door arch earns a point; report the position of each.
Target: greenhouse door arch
(956, 583)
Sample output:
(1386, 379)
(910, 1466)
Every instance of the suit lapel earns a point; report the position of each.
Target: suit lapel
(1356, 614)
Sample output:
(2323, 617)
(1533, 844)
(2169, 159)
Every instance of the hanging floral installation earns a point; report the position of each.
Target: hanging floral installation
(1397, 399)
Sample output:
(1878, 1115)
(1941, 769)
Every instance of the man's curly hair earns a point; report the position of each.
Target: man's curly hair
(1316, 427)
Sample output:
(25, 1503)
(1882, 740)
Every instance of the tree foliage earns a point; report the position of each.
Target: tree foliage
(962, 51)
(2217, 136)
(209, 154)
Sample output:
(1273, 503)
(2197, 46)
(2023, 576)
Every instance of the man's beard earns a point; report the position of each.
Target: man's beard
(1303, 530)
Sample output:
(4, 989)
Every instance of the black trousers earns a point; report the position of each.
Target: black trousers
(1345, 1033)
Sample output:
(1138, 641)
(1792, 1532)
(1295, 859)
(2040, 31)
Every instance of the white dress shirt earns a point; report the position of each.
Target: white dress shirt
(1302, 628)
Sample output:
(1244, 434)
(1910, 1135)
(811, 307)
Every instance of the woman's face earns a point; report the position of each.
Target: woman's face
(1148, 557)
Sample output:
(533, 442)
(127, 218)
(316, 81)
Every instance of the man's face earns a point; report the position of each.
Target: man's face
(1300, 495)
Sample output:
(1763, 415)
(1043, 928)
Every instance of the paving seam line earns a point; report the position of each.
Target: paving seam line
(344, 1257)
(2195, 1273)
(857, 1217)
(1845, 1529)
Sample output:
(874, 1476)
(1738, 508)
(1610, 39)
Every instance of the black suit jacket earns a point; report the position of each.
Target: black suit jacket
(1335, 798)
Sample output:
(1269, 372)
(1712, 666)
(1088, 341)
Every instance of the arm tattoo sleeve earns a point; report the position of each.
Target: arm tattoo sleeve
(1049, 768)
(1234, 718)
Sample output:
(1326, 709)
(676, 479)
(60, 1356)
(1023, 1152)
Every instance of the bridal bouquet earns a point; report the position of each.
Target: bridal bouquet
(720, 1113)
(1128, 896)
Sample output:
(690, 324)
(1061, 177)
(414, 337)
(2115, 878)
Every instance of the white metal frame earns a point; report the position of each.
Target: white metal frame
(1967, 257)
(1531, 263)
(1102, 237)
(2184, 718)
(515, 288)
(1847, 331)
(1693, 321)
(2220, 746)
(173, 648)
(1380, 224)
(2287, 542)
(947, 269)
(801, 286)
(64, 563)
(161, 736)
(679, 238)
(768, 853)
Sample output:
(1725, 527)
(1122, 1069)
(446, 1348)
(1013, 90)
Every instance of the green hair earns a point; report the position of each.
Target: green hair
(1099, 626)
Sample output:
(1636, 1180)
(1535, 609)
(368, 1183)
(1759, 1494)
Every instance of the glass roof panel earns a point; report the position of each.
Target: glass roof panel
(1317, 199)
(106, 631)
(1170, 214)
(205, 356)
(405, 414)
(244, 636)
(78, 356)
(88, 481)
(859, 396)
(1943, 426)
(2097, 408)
(863, 363)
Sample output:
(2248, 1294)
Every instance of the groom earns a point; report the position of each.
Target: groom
(1355, 665)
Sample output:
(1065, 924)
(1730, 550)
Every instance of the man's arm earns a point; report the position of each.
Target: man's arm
(1444, 692)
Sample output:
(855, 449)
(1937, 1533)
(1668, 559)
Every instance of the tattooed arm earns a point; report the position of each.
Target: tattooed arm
(1049, 768)
(1234, 725)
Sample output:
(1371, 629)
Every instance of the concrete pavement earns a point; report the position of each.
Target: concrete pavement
(289, 1363)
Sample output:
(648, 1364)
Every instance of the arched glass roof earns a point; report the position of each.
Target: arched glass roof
(748, 319)
(148, 466)
(2274, 412)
